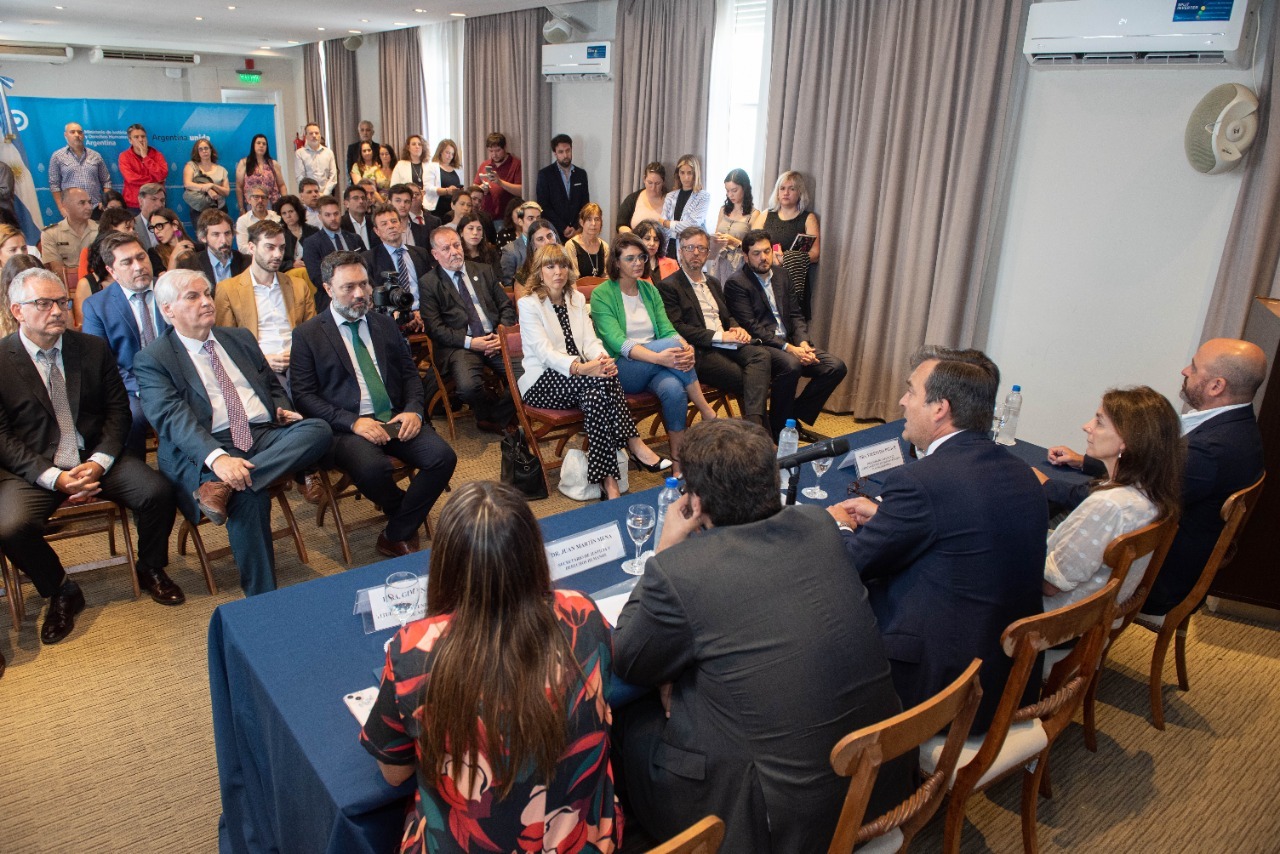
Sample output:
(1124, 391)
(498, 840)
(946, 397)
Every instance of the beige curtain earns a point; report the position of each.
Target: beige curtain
(662, 77)
(1250, 265)
(312, 86)
(343, 95)
(504, 90)
(898, 117)
(401, 86)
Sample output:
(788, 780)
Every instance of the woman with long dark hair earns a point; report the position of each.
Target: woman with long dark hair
(368, 163)
(738, 216)
(1137, 436)
(475, 244)
(257, 169)
(496, 700)
(657, 265)
(293, 216)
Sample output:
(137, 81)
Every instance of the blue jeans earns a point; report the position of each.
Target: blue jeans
(667, 383)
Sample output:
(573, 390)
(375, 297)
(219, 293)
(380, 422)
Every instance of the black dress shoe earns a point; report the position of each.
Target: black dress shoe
(61, 618)
(810, 436)
(161, 587)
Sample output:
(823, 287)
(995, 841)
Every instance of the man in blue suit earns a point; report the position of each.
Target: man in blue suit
(227, 429)
(954, 550)
(352, 368)
(126, 316)
(1224, 455)
(562, 188)
(330, 238)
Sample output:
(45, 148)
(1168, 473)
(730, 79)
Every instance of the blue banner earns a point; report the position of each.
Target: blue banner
(172, 127)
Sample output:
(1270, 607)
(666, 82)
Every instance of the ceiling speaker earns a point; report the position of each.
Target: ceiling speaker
(353, 42)
(557, 31)
(1221, 128)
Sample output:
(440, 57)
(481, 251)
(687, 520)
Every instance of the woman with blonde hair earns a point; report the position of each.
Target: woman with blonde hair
(687, 204)
(590, 250)
(9, 271)
(496, 700)
(12, 242)
(443, 176)
(790, 216)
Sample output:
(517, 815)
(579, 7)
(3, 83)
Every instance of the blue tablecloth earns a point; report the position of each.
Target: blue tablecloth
(292, 775)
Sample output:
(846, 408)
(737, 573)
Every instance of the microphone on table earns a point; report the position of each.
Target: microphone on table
(816, 451)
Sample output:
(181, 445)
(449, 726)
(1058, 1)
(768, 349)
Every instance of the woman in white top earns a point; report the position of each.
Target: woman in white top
(444, 179)
(412, 162)
(738, 216)
(646, 202)
(566, 367)
(1137, 436)
(214, 184)
(687, 204)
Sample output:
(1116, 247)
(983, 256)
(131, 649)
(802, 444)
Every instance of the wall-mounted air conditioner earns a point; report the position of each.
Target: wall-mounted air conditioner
(1141, 32)
(53, 54)
(155, 58)
(577, 61)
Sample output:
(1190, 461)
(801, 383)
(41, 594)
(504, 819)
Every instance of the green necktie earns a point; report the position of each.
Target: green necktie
(372, 379)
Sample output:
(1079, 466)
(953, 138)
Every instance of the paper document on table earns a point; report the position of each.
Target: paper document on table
(611, 606)
(588, 549)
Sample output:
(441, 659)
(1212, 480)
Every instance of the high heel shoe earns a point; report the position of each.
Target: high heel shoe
(663, 464)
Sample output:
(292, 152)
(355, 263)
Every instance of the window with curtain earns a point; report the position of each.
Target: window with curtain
(739, 95)
(442, 49)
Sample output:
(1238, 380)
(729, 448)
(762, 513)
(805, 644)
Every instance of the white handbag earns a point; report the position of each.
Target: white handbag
(573, 476)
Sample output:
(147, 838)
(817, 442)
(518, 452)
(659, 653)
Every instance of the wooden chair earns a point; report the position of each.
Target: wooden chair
(75, 520)
(704, 837)
(345, 489)
(447, 388)
(187, 530)
(860, 754)
(1235, 513)
(1021, 737)
(587, 284)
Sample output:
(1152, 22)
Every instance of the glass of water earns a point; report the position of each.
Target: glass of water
(998, 417)
(816, 491)
(641, 519)
(402, 594)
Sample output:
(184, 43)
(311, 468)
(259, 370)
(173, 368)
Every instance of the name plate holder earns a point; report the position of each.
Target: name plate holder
(585, 550)
(373, 606)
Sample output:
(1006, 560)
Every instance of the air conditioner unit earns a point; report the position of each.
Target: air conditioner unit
(1141, 32)
(577, 61)
(156, 58)
(53, 54)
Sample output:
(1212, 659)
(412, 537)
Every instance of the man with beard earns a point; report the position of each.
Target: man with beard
(330, 238)
(127, 318)
(353, 369)
(217, 258)
(227, 429)
(264, 302)
(1224, 455)
(258, 211)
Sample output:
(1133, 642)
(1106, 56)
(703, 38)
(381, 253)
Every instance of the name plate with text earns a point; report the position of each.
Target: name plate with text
(585, 550)
(877, 458)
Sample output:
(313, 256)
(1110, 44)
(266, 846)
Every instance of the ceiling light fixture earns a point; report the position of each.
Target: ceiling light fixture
(321, 29)
(420, 11)
(393, 23)
(293, 42)
(354, 32)
(457, 14)
(198, 18)
(364, 20)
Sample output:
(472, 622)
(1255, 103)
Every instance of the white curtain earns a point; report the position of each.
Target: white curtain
(734, 141)
(442, 54)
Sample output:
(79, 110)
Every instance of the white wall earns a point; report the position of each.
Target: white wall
(367, 92)
(1111, 243)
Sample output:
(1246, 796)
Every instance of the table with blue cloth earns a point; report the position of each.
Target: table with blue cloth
(292, 775)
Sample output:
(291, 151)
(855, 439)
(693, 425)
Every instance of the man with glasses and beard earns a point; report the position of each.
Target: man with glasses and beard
(352, 368)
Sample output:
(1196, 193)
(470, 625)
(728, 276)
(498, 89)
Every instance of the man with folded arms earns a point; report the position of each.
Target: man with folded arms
(1224, 455)
(723, 352)
(762, 662)
(353, 369)
(953, 551)
(64, 416)
(227, 429)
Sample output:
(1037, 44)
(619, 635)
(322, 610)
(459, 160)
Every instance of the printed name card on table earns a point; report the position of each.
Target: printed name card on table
(376, 605)
(875, 458)
(585, 550)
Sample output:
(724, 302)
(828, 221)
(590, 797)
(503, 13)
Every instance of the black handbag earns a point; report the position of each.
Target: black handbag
(520, 468)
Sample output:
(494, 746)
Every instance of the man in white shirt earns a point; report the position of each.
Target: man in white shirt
(258, 211)
(309, 194)
(225, 442)
(314, 160)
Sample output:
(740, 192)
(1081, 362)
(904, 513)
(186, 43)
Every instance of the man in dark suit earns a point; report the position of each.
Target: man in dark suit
(954, 550)
(330, 238)
(562, 188)
(216, 255)
(127, 318)
(408, 263)
(761, 298)
(368, 389)
(64, 416)
(1224, 455)
(723, 352)
(356, 218)
(415, 233)
(462, 307)
(364, 130)
(762, 662)
(227, 430)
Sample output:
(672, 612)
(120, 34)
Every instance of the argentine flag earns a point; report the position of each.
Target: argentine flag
(14, 155)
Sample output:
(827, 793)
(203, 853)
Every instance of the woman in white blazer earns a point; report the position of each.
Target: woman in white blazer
(566, 367)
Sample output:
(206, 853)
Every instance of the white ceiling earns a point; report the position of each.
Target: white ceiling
(172, 24)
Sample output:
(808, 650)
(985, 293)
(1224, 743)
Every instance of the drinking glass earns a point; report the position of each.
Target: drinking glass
(641, 519)
(816, 491)
(998, 416)
(402, 594)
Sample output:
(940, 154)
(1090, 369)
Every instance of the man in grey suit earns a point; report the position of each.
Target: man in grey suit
(227, 429)
(762, 662)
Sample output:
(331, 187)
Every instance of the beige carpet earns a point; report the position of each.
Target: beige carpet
(107, 744)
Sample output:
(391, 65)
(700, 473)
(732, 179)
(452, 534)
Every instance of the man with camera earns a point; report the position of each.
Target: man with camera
(406, 264)
(352, 369)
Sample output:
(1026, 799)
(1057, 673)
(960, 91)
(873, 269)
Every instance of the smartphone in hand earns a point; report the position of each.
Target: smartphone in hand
(392, 428)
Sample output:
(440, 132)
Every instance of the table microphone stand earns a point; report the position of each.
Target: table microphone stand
(793, 483)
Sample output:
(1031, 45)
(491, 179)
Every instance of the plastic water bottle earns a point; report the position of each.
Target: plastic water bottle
(788, 444)
(1012, 405)
(669, 495)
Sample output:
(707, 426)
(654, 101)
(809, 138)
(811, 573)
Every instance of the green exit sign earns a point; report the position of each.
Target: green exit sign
(250, 77)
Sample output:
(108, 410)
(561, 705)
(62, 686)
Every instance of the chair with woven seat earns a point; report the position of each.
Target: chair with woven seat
(1235, 513)
(206, 556)
(75, 520)
(1021, 737)
(332, 493)
(703, 837)
(860, 754)
(446, 388)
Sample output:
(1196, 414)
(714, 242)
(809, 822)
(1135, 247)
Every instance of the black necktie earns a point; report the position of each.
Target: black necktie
(474, 322)
(337, 242)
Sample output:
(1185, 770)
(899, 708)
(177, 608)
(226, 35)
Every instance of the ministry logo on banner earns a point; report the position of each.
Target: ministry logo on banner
(13, 155)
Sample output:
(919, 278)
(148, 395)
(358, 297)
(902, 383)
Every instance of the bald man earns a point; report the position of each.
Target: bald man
(1224, 455)
(62, 242)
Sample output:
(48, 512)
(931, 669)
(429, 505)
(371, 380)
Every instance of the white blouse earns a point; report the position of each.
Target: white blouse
(1074, 561)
